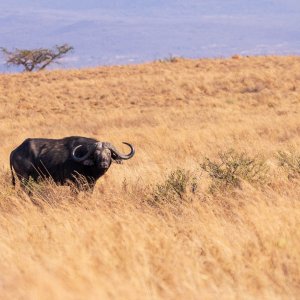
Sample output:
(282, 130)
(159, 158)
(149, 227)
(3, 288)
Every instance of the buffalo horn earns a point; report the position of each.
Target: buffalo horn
(82, 158)
(120, 155)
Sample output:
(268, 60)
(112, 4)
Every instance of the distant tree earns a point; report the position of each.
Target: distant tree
(35, 59)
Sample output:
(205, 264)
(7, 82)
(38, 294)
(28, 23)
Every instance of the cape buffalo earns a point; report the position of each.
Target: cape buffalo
(64, 160)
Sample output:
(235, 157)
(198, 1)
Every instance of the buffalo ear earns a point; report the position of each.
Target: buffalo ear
(88, 162)
(118, 161)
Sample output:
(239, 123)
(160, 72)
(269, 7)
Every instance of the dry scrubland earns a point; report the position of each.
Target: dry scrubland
(159, 226)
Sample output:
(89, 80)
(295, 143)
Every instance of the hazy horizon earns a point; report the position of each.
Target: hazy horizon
(121, 32)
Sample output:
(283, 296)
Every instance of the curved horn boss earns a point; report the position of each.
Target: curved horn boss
(84, 157)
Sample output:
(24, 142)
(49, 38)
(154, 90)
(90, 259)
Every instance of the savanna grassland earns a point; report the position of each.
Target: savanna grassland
(208, 208)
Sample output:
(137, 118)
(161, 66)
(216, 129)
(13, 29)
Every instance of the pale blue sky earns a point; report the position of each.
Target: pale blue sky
(130, 31)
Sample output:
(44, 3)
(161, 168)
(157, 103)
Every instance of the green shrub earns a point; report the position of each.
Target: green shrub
(232, 168)
(290, 161)
(177, 185)
(170, 59)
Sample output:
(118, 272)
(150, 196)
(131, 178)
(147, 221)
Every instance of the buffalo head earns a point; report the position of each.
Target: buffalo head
(100, 154)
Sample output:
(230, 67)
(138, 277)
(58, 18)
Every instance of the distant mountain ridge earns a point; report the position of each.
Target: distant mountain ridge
(229, 6)
(117, 32)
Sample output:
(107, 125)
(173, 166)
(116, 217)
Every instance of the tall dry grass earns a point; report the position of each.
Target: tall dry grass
(154, 228)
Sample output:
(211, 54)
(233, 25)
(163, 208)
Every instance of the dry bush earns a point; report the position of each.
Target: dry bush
(175, 187)
(290, 162)
(232, 168)
(170, 59)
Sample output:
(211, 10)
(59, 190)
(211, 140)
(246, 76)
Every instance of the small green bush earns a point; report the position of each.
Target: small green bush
(170, 59)
(175, 187)
(290, 161)
(232, 168)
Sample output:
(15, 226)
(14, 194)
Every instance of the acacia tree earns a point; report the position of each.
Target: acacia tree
(35, 59)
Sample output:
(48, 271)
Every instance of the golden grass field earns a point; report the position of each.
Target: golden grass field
(122, 242)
